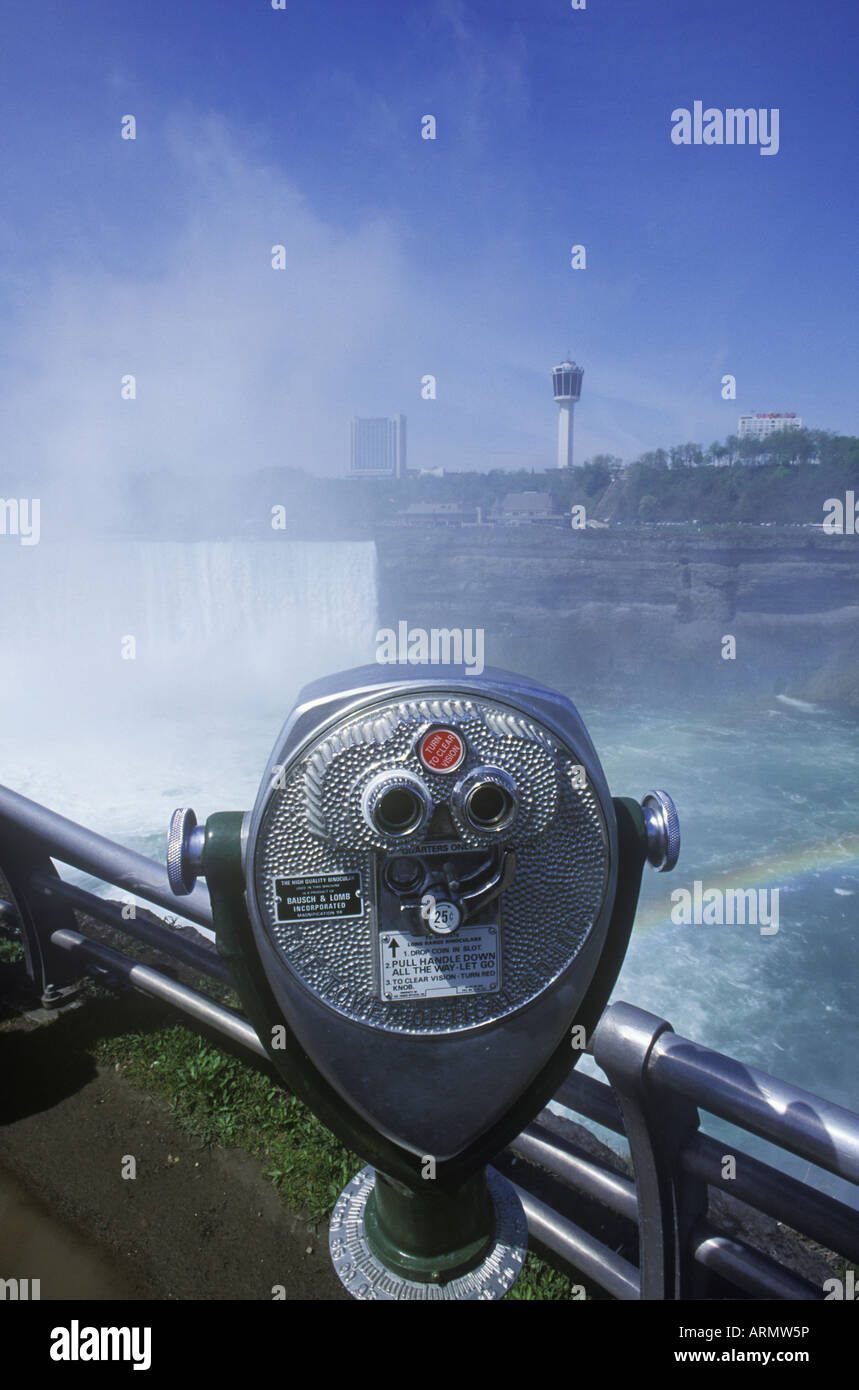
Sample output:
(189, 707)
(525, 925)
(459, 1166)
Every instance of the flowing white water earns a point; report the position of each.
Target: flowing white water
(242, 615)
(138, 675)
(226, 633)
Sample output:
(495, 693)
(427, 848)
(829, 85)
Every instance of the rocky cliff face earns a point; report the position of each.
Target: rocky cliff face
(601, 610)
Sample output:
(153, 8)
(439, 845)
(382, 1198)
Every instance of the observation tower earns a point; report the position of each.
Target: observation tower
(567, 381)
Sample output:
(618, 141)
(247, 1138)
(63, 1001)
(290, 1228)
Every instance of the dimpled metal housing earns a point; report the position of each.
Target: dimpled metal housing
(309, 822)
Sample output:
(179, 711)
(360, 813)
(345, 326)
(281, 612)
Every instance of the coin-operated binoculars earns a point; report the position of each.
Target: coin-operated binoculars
(433, 887)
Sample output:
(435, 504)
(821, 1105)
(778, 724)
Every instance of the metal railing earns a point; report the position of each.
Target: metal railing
(658, 1081)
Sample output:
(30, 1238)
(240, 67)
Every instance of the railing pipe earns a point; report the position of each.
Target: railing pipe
(94, 854)
(591, 1098)
(539, 1146)
(610, 1271)
(795, 1204)
(815, 1129)
(195, 1005)
(164, 939)
(658, 1127)
(749, 1270)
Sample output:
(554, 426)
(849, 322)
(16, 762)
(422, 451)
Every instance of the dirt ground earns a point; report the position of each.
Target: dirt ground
(194, 1224)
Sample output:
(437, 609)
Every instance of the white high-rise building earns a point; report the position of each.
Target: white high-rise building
(378, 448)
(567, 381)
(760, 425)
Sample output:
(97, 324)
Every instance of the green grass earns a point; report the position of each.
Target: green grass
(221, 1100)
(539, 1281)
(11, 952)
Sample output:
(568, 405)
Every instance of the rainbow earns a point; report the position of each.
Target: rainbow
(777, 870)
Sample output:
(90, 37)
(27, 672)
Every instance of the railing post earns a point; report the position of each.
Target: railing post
(670, 1201)
(50, 970)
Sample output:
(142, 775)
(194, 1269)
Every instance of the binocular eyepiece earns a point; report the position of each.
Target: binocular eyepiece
(398, 804)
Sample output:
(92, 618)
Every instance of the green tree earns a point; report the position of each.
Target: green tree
(597, 474)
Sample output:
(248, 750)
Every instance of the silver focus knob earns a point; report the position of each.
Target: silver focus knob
(185, 840)
(663, 831)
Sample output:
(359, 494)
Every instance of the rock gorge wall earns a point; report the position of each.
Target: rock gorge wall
(597, 611)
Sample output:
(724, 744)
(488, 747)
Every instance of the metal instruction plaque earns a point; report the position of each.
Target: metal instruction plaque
(415, 966)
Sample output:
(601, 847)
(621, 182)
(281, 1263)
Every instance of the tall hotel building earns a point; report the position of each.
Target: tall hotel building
(378, 448)
(759, 426)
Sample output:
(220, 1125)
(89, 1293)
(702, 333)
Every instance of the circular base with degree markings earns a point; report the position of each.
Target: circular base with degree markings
(366, 1278)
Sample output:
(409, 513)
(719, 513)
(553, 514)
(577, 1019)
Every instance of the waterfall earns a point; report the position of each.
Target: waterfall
(136, 676)
(219, 615)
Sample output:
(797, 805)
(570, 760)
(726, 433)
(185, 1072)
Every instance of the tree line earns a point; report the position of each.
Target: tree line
(785, 478)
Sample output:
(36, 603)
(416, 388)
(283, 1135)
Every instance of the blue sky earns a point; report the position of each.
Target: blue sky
(405, 256)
